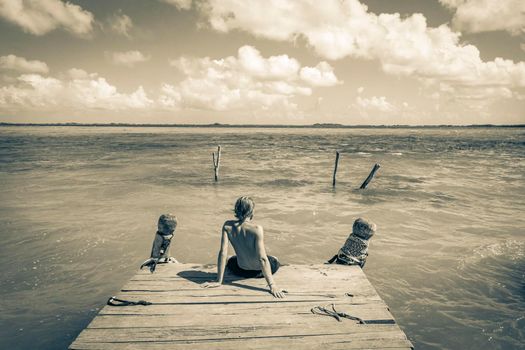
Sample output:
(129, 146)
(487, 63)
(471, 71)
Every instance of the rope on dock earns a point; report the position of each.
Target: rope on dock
(319, 310)
(114, 301)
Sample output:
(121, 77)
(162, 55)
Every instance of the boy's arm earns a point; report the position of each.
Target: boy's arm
(265, 263)
(223, 253)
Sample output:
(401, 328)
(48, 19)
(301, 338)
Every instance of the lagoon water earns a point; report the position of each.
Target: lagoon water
(79, 206)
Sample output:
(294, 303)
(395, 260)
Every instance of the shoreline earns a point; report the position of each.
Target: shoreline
(264, 126)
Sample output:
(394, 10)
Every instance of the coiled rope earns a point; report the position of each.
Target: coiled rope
(319, 310)
(114, 301)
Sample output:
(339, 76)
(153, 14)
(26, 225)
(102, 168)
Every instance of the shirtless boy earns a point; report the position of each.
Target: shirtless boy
(247, 240)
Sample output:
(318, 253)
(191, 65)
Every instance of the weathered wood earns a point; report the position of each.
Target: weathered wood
(370, 176)
(216, 162)
(259, 294)
(335, 167)
(242, 314)
(299, 342)
(131, 321)
(241, 286)
(230, 333)
(207, 272)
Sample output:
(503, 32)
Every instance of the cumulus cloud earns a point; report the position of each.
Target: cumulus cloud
(475, 16)
(375, 104)
(335, 30)
(121, 24)
(39, 17)
(128, 58)
(180, 4)
(274, 67)
(32, 91)
(339, 29)
(12, 62)
(244, 82)
(78, 89)
(320, 75)
(475, 95)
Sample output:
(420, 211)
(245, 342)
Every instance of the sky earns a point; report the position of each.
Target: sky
(352, 62)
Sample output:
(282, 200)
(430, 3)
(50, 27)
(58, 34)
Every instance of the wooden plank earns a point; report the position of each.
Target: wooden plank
(290, 321)
(178, 296)
(290, 277)
(177, 335)
(305, 342)
(196, 273)
(207, 312)
(242, 314)
(292, 281)
(174, 298)
(128, 321)
(326, 289)
(208, 271)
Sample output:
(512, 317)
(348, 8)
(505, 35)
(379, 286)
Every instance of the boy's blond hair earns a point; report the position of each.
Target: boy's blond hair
(244, 207)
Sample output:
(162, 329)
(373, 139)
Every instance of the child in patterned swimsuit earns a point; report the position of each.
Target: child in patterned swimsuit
(161, 243)
(355, 249)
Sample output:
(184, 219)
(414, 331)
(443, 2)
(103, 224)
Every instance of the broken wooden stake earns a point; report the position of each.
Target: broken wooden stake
(216, 162)
(370, 177)
(335, 167)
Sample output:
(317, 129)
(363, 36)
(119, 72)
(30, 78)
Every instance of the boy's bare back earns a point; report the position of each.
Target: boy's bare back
(244, 237)
(248, 241)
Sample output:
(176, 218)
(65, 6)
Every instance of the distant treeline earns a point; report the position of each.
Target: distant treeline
(310, 126)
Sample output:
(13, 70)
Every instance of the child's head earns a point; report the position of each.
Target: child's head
(363, 228)
(244, 207)
(167, 224)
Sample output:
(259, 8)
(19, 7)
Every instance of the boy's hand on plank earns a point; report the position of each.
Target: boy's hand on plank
(211, 284)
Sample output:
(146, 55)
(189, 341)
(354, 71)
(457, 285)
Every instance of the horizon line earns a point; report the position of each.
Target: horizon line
(304, 126)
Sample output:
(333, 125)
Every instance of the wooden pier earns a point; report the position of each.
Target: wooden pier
(241, 314)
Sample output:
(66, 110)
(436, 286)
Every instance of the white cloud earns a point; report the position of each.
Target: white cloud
(180, 4)
(335, 29)
(121, 24)
(12, 62)
(320, 75)
(33, 90)
(339, 29)
(170, 98)
(93, 91)
(475, 95)
(375, 104)
(475, 16)
(128, 58)
(78, 90)
(275, 67)
(248, 81)
(245, 82)
(77, 73)
(42, 16)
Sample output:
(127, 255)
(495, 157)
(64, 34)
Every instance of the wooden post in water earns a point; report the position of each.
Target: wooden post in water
(370, 177)
(335, 167)
(216, 163)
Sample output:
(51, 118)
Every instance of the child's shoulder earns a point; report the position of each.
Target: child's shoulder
(229, 224)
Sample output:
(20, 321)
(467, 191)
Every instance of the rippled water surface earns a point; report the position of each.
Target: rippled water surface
(79, 205)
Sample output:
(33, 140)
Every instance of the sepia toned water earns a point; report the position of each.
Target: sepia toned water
(78, 211)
